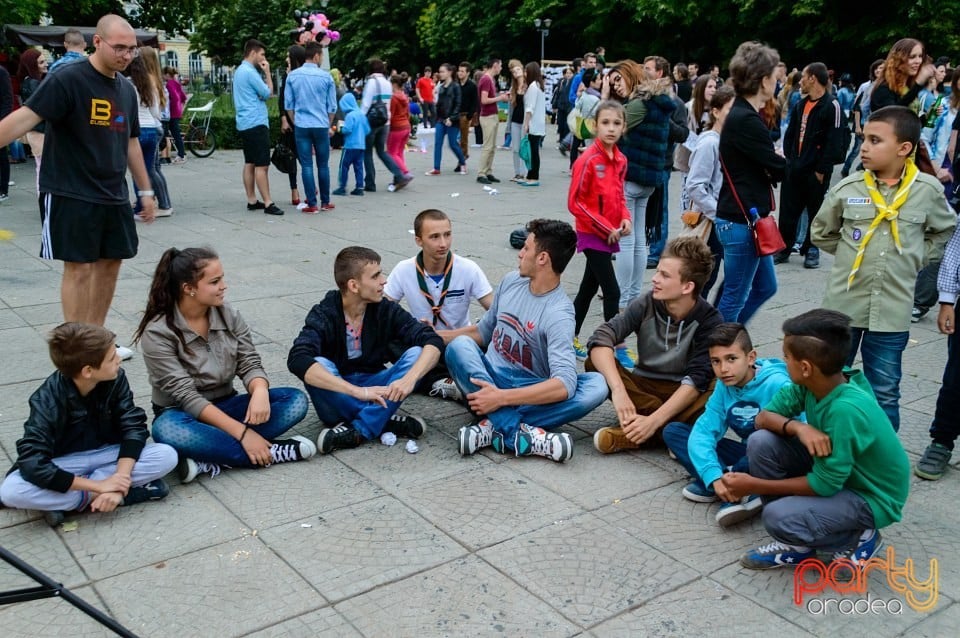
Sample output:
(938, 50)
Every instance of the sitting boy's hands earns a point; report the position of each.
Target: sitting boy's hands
(737, 485)
(258, 409)
(485, 400)
(723, 492)
(106, 502)
(816, 442)
(119, 483)
(257, 448)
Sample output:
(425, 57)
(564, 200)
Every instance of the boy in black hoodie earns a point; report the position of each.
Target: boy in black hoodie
(673, 378)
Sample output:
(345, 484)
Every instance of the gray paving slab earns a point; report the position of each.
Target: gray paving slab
(429, 544)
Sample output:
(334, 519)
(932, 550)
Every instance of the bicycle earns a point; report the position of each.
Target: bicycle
(199, 138)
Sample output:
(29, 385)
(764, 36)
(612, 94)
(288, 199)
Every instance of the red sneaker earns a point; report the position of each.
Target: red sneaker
(328, 206)
(309, 210)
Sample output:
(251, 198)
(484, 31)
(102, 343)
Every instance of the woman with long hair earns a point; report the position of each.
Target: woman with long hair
(698, 116)
(648, 105)
(296, 56)
(518, 88)
(750, 165)
(178, 99)
(144, 73)
(30, 72)
(194, 345)
(905, 73)
(534, 119)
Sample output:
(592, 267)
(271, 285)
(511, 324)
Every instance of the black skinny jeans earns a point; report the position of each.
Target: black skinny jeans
(598, 273)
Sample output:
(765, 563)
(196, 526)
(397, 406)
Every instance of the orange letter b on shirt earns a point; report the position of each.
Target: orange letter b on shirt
(99, 110)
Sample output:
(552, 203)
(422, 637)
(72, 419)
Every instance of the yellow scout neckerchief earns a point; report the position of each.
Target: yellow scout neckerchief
(884, 211)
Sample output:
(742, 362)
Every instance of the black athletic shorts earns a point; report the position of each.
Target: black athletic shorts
(85, 232)
(256, 145)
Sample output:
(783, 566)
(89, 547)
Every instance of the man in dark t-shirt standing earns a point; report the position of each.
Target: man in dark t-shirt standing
(91, 140)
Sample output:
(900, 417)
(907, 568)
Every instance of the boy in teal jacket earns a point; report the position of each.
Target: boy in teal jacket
(829, 484)
(355, 129)
(745, 385)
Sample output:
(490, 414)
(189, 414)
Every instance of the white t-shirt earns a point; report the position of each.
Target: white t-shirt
(467, 282)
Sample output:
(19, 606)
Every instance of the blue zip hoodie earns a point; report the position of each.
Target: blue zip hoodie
(355, 125)
(734, 408)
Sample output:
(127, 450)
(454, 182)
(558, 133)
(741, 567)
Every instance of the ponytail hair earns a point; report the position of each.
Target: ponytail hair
(175, 268)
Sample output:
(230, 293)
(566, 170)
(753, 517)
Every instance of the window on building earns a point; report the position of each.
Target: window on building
(196, 65)
(172, 59)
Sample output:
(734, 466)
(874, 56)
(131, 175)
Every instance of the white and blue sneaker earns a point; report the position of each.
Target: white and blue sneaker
(775, 555)
(733, 513)
(697, 493)
(869, 544)
(579, 349)
(531, 440)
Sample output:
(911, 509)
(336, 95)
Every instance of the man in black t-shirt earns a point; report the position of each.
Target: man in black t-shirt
(92, 133)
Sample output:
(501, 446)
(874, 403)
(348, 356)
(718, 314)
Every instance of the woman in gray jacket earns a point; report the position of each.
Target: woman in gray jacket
(194, 345)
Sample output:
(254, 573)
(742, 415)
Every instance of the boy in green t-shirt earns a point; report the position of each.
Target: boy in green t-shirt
(829, 484)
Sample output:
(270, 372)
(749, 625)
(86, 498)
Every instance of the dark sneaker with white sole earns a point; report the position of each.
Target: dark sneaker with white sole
(339, 437)
(152, 491)
(733, 513)
(297, 448)
(410, 427)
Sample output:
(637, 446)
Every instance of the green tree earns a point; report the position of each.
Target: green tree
(22, 11)
(171, 16)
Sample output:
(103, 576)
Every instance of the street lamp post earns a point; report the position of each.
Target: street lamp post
(543, 26)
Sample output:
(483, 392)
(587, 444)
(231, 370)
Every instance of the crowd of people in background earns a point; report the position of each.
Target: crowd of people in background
(818, 453)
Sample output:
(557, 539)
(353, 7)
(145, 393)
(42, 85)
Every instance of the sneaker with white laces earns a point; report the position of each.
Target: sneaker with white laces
(124, 353)
(153, 491)
(579, 349)
(407, 426)
(339, 437)
(531, 440)
(446, 389)
(744, 509)
(866, 549)
(297, 448)
(775, 555)
(474, 437)
(188, 469)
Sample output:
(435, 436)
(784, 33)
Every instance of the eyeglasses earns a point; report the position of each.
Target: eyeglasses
(122, 51)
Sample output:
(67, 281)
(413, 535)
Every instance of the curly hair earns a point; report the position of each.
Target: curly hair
(895, 72)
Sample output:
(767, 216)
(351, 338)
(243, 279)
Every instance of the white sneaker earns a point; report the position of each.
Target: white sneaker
(446, 389)
(164, 212)
(296, 448)
(474, 437)
(188, 469)
(302, 205)
(124, 353)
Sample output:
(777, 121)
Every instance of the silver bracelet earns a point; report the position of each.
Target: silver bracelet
(146, 193)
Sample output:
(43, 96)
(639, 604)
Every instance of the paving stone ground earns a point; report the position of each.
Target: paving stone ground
(378, 542)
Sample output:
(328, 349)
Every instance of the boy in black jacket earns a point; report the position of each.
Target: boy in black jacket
(341, 352)
(84, 443)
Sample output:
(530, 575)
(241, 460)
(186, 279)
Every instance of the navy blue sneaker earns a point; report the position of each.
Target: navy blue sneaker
(864, 551)
(733, 513)
(775, 555)
(152, 491)
(697, 493)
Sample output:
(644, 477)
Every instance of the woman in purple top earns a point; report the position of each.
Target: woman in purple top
(178, 99)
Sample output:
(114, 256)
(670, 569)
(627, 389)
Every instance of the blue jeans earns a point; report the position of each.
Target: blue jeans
(203, 442)
(748, 280)
(882, 354)
(149, 140)
(632, 259)
(367, 418)
(351, 157)
(465, 361)
(156, 460)
(946, 425)
(656, 248)
(732, 454)
(452, 134)
(310, 141)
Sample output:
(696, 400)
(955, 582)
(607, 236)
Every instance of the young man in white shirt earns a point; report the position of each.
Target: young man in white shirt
(439, 287)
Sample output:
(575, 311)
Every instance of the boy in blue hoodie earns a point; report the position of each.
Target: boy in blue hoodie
(355, 128)
(746, 384)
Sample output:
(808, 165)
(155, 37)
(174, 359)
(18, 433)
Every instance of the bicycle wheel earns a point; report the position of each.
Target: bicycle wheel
(201, 144)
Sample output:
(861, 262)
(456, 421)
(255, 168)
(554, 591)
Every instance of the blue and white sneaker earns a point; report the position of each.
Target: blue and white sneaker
(775, 555)
(474, 437)
(697, 493)
(733, 513)
(579, 349)
(865, 550)
(623, 358)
